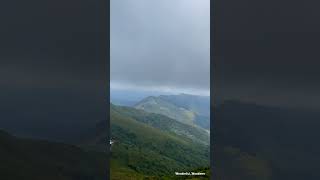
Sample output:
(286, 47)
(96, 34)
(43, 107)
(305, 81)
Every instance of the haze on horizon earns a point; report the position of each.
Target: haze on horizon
(160, 46)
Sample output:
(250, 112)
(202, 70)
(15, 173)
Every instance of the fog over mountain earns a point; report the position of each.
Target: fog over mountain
(160, 46)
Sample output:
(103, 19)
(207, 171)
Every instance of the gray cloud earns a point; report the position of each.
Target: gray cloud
(51, 45)
(161, 44)
(267, 53)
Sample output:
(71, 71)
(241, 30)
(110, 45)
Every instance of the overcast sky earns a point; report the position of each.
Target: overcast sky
(161, 45)
(52, 73)
(267, 52)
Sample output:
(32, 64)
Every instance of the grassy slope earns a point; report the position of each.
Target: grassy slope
(146, 150)
(157, 105)
(188, 109)
(165, 123)
(198, 104)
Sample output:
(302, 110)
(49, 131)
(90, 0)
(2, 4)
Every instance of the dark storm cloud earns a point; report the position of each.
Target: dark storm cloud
(52, 73)
(49, 43)
(267, 51)
(160, 44)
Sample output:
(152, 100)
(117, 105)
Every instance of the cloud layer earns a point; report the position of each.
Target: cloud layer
(160, 44)
(267, 52)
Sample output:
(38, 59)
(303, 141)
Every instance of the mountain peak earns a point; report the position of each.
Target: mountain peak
(186, 108)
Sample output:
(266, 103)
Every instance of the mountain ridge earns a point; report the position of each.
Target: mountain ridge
(189, 109)
(143, 138)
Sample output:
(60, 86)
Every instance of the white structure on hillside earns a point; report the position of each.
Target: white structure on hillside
(111, 143)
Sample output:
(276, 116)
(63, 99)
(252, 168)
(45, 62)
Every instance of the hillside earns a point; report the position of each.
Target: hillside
(198, 104)
(53, 115)
(164, 124)
(159, 106)
(254, 142)
(188, 109)
(37, 160)
(97, 140)
(145, 148)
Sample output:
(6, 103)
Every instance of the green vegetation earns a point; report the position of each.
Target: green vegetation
(198, 104)
(164, 123)
(159, 106)
(146, 149)
(188, 109)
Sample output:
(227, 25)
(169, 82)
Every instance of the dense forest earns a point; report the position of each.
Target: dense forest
(146, 147)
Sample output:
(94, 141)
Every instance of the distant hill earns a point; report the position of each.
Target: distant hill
(160, 106)
(267, 143)
(37, 160)
(147, 146)
(189, 109)
(124, 97)
(198, 104)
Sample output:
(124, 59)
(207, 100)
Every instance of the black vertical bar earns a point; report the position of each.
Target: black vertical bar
(104, 55)
(212, 95)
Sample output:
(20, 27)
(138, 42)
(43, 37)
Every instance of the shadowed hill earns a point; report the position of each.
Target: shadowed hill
(260, 142)
(37, 160)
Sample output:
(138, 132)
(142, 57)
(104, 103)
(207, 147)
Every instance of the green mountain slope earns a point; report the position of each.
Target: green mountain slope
(189, 109)
(165, 124)
(37, 160)
(150, 151)
(159, 106)
(198, 104)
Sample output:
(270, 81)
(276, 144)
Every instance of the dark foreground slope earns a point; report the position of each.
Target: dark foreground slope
(254, 142)
(142, 150)
(37, 160)
(51, 114)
